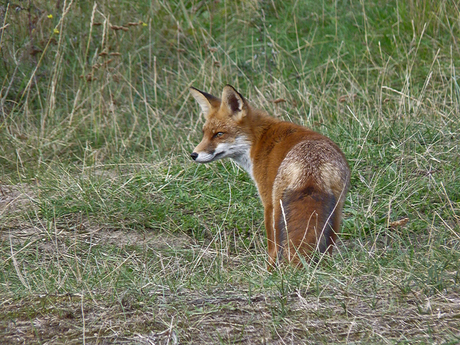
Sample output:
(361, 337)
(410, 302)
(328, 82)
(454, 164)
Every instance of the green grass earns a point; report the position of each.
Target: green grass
(110, 234)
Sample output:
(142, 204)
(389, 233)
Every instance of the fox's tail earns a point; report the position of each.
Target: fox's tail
(308, 222)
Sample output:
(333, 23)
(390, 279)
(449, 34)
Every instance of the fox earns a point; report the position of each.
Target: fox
(302, 177)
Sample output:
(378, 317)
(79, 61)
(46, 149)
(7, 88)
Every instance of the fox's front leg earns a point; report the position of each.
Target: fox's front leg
(271, 237)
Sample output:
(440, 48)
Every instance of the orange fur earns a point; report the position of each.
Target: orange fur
(302, 176)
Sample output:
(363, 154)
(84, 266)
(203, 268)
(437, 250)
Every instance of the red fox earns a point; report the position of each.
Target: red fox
(302, 177)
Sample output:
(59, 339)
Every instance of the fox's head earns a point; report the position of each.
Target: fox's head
(224, 133)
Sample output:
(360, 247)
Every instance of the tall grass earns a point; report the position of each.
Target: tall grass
(109, 234)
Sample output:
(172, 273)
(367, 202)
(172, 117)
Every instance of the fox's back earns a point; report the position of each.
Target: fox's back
(288, 155)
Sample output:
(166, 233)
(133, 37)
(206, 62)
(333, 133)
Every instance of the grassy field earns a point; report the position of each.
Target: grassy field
(110, 234)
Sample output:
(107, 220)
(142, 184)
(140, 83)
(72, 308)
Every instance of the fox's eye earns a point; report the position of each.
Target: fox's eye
(218, 134)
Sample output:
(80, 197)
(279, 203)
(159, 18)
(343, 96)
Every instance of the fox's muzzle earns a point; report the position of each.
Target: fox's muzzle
(194, 155)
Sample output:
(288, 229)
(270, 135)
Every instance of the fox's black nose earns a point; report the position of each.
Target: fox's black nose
(194, 155)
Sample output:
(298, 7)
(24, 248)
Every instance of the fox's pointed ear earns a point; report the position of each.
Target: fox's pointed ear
(235, 103)
(206, 101)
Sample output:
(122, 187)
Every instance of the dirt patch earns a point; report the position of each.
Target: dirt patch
(77, 227)
(228, 316)
(15, 197)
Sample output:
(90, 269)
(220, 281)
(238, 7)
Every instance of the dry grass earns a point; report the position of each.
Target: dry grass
(109, 234)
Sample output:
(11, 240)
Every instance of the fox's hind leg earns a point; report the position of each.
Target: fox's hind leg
(336, 223)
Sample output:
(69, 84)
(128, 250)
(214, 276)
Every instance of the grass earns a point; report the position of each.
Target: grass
(110, 234)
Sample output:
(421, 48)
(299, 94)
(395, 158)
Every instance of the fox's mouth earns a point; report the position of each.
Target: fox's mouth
(217, 155)
(206, 158)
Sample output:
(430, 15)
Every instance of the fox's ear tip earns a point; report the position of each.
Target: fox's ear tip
(194, 91)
